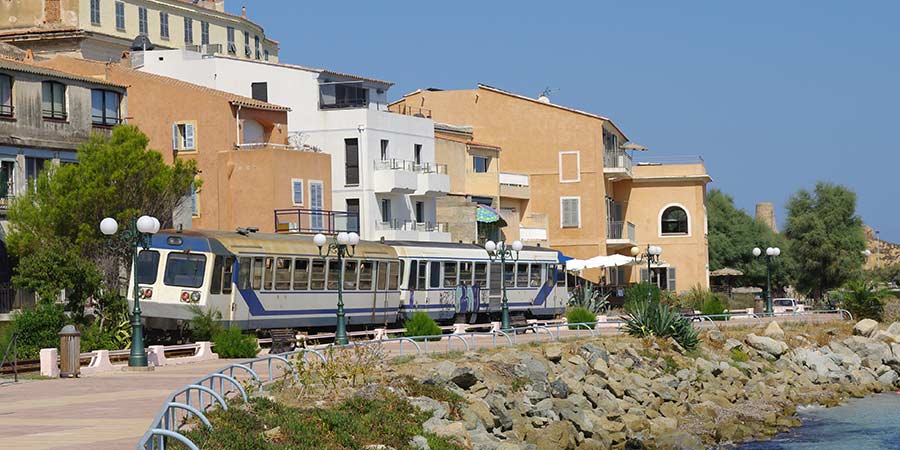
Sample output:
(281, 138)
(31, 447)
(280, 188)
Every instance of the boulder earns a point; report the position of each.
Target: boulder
(465, 377)
(591, 352)
(556, 436)
(553, 353)
(635, 423)
(419, 442)
(894, 329)
(444, 369)
(453, 431)
(733, 343)
(532, 369)
(888, 379)
(481, 411)
(774, 331)
(865, 327)
(559, 389)
(715, 336)
(428, 404)
(766, 345)
(663, 425)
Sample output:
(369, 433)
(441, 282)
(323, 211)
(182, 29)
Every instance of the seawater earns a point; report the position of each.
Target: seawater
(871, 423)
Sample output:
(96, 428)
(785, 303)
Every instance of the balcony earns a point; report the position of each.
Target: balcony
(410, 230)
(433, 179)
(620, 234)
(414, 111)
(313, 221)
(396, 176)
(515, 185)
(617, 164)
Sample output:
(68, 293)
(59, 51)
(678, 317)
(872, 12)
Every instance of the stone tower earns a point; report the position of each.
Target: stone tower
(765, 213)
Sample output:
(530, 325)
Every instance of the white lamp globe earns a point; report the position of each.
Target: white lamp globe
(490, 246)
(145, 224)
(635, 251)
(757, 251)
(354, 238)
(658, 251)
(156, 225)
(319, 239)
(770, 251)
(343, 238)
(777, 251)
(867, 253)
(109, 226)
(517, 245)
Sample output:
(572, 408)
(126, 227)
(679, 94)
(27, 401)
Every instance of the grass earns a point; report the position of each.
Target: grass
(738, 355)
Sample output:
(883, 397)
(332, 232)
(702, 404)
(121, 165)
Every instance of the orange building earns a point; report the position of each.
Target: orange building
(247, 168)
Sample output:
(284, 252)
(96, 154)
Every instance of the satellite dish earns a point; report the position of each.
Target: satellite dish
(141, 43)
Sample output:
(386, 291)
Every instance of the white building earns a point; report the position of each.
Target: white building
(383, 164)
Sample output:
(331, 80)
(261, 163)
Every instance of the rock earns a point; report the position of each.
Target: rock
(556, 436)
(532, 369)
(635, 423)
(428, 404)
(888, 379)
(444, 369)
(378, 447)
(679, 441)
(766, 345)
(663, 425)
(559, 389)
(465, 377)
(599, 367)
(482, 411)
(553, 353)
(865, 327)
(419, 443)
(453, 431)
(716, 336)
(774, 331)
(273, 434)
(594, 444)
(498, 408)
(591, 352)
(733, 343)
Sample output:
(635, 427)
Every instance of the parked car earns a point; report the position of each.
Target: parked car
(786, 305)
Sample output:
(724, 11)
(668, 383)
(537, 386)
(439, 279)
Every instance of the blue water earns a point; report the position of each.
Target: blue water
(870, 423)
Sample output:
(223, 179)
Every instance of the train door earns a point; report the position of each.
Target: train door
(381, 296)
(496, 291)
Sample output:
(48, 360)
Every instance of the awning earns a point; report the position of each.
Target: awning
(599, 261)
(486, 214)
(563, 258)
(726, 272)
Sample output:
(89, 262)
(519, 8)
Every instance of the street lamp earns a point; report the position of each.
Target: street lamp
(651, 256)
(136, 236)
(771, 252)
(338, 247)
(503, 252)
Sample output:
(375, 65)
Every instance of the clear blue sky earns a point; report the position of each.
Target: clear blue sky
(773, 95)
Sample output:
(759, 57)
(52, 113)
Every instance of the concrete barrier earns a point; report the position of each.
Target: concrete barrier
(460, 328)
(50, 362)
(99, 363)
(156, 355)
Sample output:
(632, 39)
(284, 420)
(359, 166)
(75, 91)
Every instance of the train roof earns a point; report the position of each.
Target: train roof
(259, 243)
(459, 245)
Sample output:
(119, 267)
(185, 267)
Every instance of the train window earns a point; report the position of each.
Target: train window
(435, 275)
(382, 276)
(394, 271)
(537, 275)
(215, 285)
(301, 274)
(560, 276)
(522, 275)
(270, 274)
(244, 273)
(366, 272)
(334, 270)
(257, 274)
(413, 275)
(227, 274)
(465, 272)
(351, 268)
(481, 274)
(450, 275)
(147, 267)
(317, 275)
(509, 275)
(283, 274)
(420, 279)
(185, 270)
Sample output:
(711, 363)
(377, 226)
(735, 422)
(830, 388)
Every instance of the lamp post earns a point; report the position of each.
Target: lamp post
(502, 252)
(339, 248)
(651, 256)
(771, 252)
(136, 236)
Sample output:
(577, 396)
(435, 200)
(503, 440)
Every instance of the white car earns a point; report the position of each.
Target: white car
(786, 305)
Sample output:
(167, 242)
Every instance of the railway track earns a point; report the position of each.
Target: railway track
(115, 356)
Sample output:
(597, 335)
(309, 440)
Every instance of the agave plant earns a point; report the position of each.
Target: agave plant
(589, 298)
(646, 319)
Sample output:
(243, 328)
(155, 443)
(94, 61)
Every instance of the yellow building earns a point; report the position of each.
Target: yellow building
(103, 29)
(583, 185)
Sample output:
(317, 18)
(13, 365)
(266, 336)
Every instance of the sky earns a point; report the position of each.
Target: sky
(773, 95)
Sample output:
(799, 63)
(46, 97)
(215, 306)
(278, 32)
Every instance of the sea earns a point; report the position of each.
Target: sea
(871, 423)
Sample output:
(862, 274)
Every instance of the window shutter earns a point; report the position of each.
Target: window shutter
(175, 137)
(671, 278)
(644, 275)
(189, 136)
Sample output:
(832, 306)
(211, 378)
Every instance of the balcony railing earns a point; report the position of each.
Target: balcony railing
(206, 49)
(312, 221)
(431, 168)
(514, 179)
(414, 111)
(395, 164)
(5, 202)
(617, 159)
(412, 225)
(621, 230)
(660, 160)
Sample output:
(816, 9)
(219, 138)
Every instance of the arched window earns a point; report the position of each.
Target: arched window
(674, 221)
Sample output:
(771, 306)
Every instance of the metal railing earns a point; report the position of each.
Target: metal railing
(267, 145)
(659, 160)
(431, 168)
(312, 221)
(617, 159)
(396, 224)
(344, 103)
(414, 111)
(621, 230)
(395, 164)
(13, 343)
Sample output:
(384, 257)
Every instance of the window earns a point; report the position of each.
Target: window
(104, 107)
(537, 276)
(227, 274)
(522, 275)
(260, 91)
(317, 275)
(353, 214)
(480, 164)
(257, 274)
(350, 96)
(6, 101)
(480, 274)
(266, 55)
(183, 136)
(247, 51)
(334, 270)
(674, 221)
(394, 270)
(366, 273)
(147, 267)
(509, 271)
(297, 190)
(316, 203)
(420, 212)
(301, 274)
(195, 201)
(256, 46)
(215, 285)
(268, 275)
(283, 274)
(465, 272)
(33, 168)
(164, 25)
(142, 20)
(386, 210)
(204, 33)
(185, 270)
(422, 274)
(54, 100)
(188, 30)
(120, 16)
(384, 149)
(610, 141)
(351, 161)
(232, 48)
(382, 276)
(450, 275)
(570, 212)
(417, 149)
(95, 12)
(435, 275)
(244, 273)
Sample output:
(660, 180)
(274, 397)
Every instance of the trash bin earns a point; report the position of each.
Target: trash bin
(69, 352)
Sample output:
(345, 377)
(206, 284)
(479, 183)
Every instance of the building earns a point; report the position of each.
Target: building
(103, 29)
(584, 183)
(246, 165)
(383, 163)
(44, 115)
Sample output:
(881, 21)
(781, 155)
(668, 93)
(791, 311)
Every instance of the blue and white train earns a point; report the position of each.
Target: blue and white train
(263, 281)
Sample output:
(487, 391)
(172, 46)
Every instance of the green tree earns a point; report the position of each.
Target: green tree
(827, 238)
(732, 236)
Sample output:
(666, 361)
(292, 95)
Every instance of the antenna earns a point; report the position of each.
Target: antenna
(545, 94)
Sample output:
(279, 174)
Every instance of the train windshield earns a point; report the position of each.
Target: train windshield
(185, 270)
(147, 267)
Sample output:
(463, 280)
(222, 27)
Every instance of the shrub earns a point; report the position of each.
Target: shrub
(37, 328)
(863, 300)
(205, 324)
(589, 298)
(712, 306)
(637, 294)
(421, 324)
(580, 315)
(232, 343)
(660, 320)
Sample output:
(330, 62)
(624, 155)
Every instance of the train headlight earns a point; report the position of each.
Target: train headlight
(195, 296)
(185, 296)
(147, 293)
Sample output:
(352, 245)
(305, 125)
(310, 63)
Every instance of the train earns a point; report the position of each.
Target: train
(260, 281)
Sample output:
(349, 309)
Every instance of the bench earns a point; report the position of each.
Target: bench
(688, 313)
(283, 340)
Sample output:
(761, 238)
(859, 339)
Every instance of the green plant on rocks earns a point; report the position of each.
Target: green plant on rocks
(232, 343)
(421, 324)
(580, 315)
(647, 319)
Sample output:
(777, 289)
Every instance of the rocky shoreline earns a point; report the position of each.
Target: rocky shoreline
(619, 392)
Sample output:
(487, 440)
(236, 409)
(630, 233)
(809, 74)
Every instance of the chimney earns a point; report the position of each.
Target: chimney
(765, 213)
(244, 12)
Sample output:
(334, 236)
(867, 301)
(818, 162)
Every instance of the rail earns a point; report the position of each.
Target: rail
(617, 159)
(621, 230)
(172, 417)
(395, 164)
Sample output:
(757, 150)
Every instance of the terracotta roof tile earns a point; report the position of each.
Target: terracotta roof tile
(36, 69)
